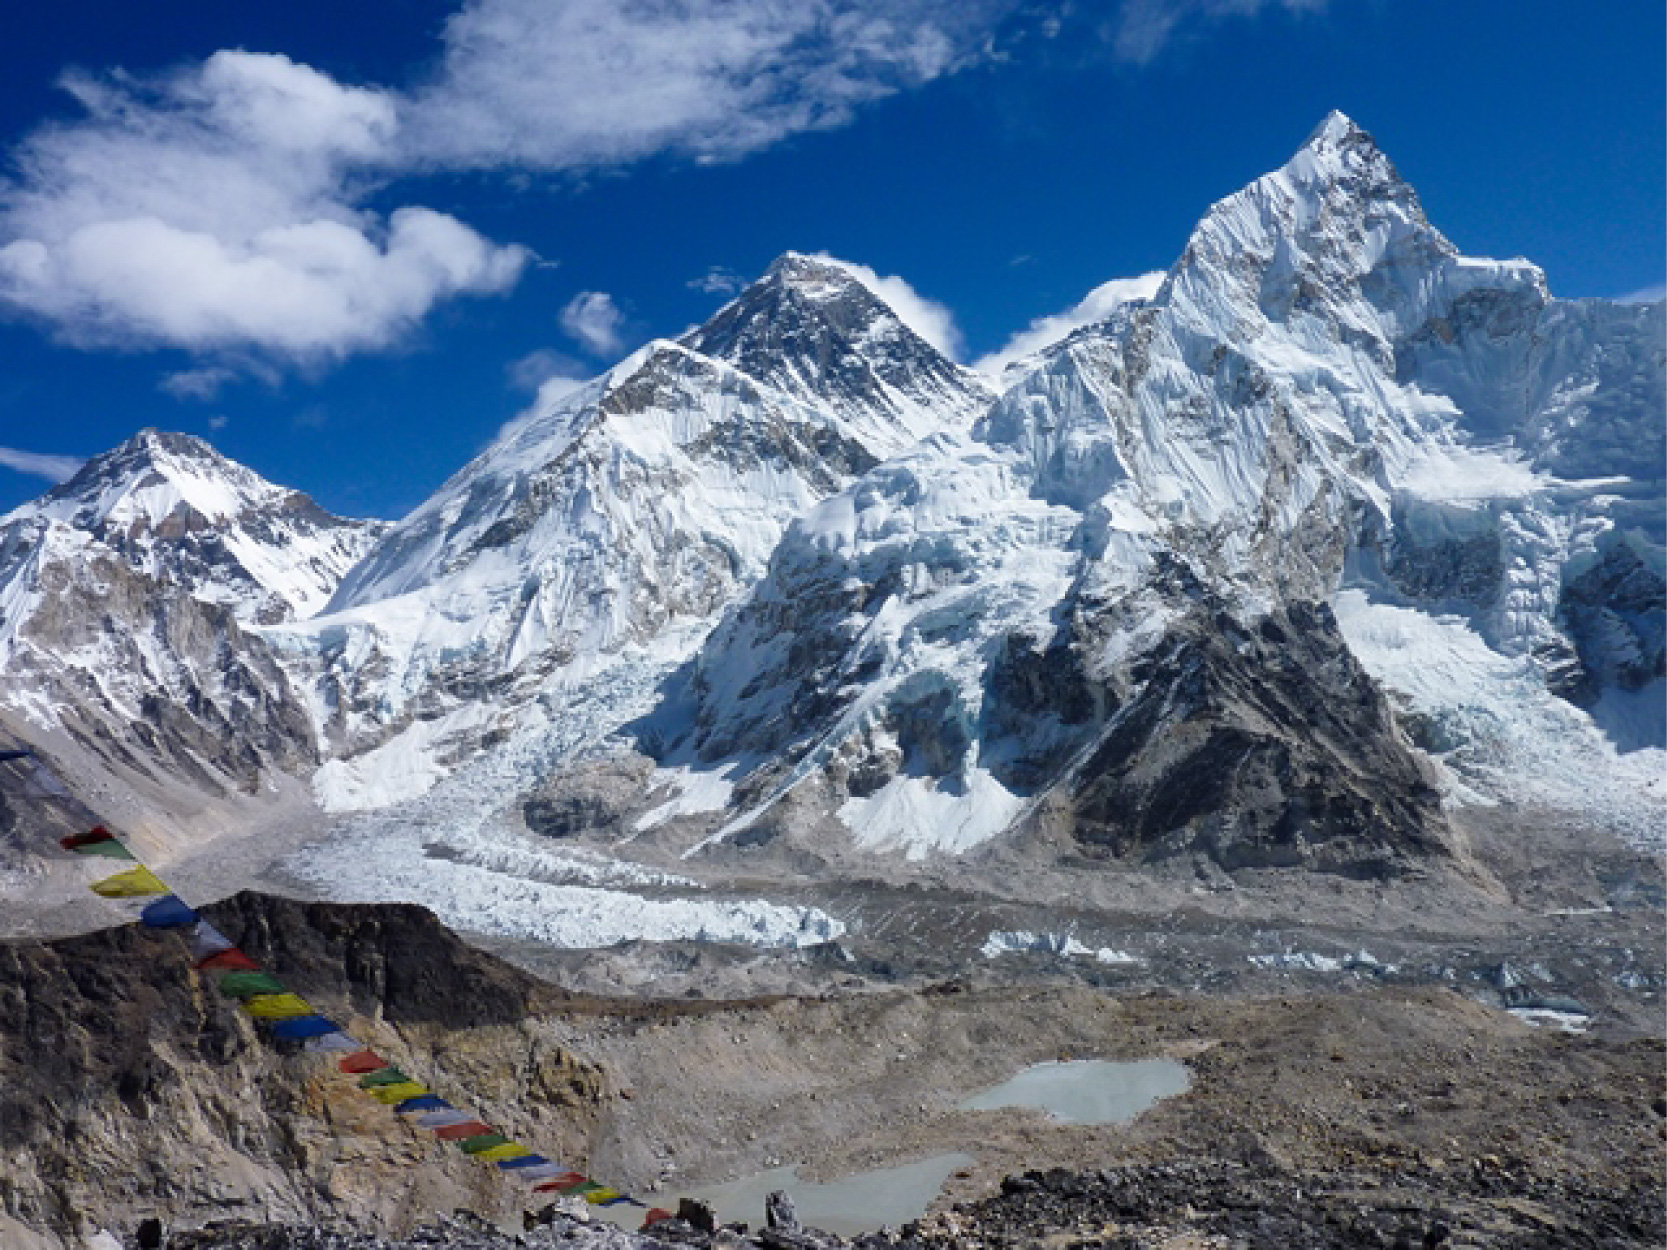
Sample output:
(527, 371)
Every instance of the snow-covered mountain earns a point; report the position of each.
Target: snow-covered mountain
(611, 528)
(1337, 529)
(1104, 609)
(130, 602)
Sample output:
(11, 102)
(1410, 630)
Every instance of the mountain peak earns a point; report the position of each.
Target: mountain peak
(813, 328)
(1337, 130)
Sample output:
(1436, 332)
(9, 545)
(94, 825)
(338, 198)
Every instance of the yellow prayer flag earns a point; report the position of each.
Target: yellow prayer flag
(134, 883)
(277, 1006)
(398, 1092)
(603, 1196)
(509, 1150)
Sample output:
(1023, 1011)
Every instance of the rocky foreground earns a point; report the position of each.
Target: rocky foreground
(1187, 1206)
(1350, 1108)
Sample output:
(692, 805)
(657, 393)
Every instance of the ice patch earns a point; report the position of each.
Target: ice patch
(1313, 961)
(1540, 1017)
(694, 791)
(917, 815)
(1024, 941)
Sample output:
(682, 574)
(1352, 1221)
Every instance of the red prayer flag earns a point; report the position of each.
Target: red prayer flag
(458, 1132)
(565, 1181)
(654, 1216)
(362, 1061)
(93, 836)
(232, 960)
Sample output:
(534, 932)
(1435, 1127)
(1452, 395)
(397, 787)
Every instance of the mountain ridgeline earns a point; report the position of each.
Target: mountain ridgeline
(1336, 528)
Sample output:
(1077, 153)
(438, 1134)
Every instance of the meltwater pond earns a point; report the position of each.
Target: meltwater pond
(1082, 1092)
(1088, 1091)
(856, 1204)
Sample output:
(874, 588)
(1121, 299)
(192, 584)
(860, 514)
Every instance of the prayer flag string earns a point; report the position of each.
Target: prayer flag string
(265, 999)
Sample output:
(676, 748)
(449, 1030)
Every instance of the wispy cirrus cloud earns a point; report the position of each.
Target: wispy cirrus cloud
(1142, 29)
(718, 281)
(542, 366)
(40, 464)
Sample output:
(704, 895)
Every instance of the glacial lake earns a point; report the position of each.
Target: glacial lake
(1089, 1091)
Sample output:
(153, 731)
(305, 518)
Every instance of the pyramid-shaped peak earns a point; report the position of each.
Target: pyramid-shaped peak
(1338, 130)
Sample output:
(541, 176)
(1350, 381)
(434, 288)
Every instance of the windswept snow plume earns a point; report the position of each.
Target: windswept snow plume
(933, 321)
(1044, 332)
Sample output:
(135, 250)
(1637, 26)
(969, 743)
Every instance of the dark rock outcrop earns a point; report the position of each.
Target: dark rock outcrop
(1262, 745)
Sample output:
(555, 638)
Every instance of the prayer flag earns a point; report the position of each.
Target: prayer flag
(278, 1006)
(168, 913)
(422, 1102)
(335, 1041)
(462, 1132)
(528, 1160)
(303, 1027)
(497, 1154)
(561, 1184)
(540, 1171)
(382, 1076)
(96, 841)
(45, 781)
(483, 1141)
(445, 1119)
(134, 883)
(398, 1092)
(249, 984)
(207, 941)
(232, 960)
(362, 1061)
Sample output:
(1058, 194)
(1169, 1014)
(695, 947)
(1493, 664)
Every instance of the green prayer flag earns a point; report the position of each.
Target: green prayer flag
(386, 1076)
(475, 1145)
(248, 984)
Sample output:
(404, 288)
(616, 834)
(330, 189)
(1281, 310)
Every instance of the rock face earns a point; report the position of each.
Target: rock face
(130, 603)
(129, 1089)
(1258, 748)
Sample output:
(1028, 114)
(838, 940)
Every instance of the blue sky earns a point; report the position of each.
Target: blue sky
(345, 242)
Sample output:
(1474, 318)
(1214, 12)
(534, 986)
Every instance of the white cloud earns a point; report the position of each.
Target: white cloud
(718, 281)
(199, 384)
(1044, 332)
(933, 321)
(212, 210)
(1644, 295)
(593, 320)
(532, 371)
(221, 208)
(595, 83)
(40, 464)
(1143, 27)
